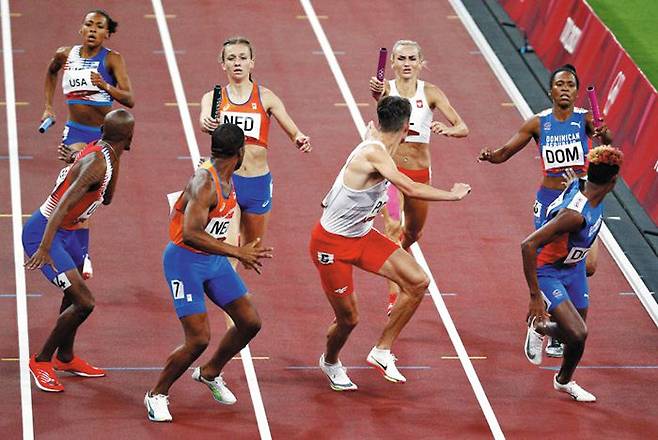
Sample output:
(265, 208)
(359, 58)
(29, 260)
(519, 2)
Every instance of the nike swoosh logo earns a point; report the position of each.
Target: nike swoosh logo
(150, 410)
(379, 363)
(576, 124)
(265, 204)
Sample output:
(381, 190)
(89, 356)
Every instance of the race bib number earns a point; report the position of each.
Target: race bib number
(218, 227)
(78, 81)
(563, 155)
(576, 254)
(92, 208)
(536, 209)
(178, 290)
(248, 122)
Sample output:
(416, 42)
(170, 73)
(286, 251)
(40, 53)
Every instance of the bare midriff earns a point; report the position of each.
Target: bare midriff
(413, 156)
(254, 162)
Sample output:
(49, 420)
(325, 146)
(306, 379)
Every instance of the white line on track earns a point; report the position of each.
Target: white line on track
(607, 238)
(17, 226)
(434, 290)
(245, 353)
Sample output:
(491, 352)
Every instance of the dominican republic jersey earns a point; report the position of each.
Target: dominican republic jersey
(573, 247)
(218, 220)
(350, 212)
(86, 206)
(250, 116)
(421, 113)
(76, 81)
(563, 144)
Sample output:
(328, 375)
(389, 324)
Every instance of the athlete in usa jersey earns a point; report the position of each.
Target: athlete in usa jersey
(93, 77)
(554, 267)
(345, 237)
(196, 265)
(53, 240)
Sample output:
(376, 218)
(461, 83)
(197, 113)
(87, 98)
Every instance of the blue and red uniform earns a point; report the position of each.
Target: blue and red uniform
(562, 145)
(70, 244)
(191, 272)
(561, 263)
(78, 89)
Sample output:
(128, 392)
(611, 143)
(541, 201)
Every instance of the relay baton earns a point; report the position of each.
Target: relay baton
(594, 105)
(45, 125)
(381, 66)
(216, 98)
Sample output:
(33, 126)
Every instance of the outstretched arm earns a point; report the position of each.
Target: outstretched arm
(528, 131)
(383, 163)
(89, 172)
(275, 107)
(437, 99)
(566, 221)
(201, 199)
(122, 92)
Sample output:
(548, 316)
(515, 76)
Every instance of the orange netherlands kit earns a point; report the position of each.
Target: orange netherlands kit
(219, 217)
(250, 116)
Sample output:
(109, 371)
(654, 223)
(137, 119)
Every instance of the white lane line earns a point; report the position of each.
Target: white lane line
(607, 238)
(17, 226)
(434, 291)
(245, 353)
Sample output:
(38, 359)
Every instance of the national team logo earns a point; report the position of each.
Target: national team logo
(254, 106)
(419, 103)
(340, 290)
(226, 107)
(547, 126)
(325, 258)
(557, 293)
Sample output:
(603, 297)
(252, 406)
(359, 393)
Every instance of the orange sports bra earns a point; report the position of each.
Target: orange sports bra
(250, 116)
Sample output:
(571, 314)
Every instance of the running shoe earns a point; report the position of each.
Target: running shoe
(44, 376)
(554, 348)
(533, 344)
(157, 407)
(577, 392)
(384, 362)
(337, 374)
(218, 388)
(79, 367)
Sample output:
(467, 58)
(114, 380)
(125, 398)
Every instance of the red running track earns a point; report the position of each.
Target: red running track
(472, 247)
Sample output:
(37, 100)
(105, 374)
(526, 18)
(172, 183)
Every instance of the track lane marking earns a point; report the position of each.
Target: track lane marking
(17, 225)
(415, 249)
(170, 56)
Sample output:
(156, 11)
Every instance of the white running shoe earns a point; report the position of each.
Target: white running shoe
(554, 348)
(218, 388)
(577, 392)
(533, 344)
(385, 364)
(337, 374)
(157, 406)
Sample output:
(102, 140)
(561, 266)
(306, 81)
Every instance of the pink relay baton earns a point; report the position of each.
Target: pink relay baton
(381, 66)
(594, 105)
(393, 205)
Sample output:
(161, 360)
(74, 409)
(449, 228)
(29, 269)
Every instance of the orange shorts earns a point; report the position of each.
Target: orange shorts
(334, 256)
(420, 176)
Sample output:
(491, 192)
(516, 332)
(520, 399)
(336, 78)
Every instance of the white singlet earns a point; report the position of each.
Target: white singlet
(421, 113)
(351, 212)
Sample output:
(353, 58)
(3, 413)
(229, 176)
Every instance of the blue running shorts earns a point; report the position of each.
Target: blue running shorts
(559, 284)
(190, 275)
(545, 197)
(75, 132)
(254, 194)
(68, 249)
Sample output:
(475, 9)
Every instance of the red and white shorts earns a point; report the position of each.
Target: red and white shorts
(334, 256)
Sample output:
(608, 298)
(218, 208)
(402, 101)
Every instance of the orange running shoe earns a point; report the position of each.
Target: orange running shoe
(44, 376)
(79, 367)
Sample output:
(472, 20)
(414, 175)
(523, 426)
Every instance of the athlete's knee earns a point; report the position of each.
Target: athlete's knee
(251, 326)
(417, 283)
(412, 234)
(576, 335)
(348, 320)
(84, 304)
(198, 343)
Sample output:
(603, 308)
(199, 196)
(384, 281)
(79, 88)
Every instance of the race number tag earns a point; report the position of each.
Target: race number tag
(576, 254)
(248, 122)
(78, 81)
(218, 227)
(536, 209)
(92, 208)
(560, 155)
